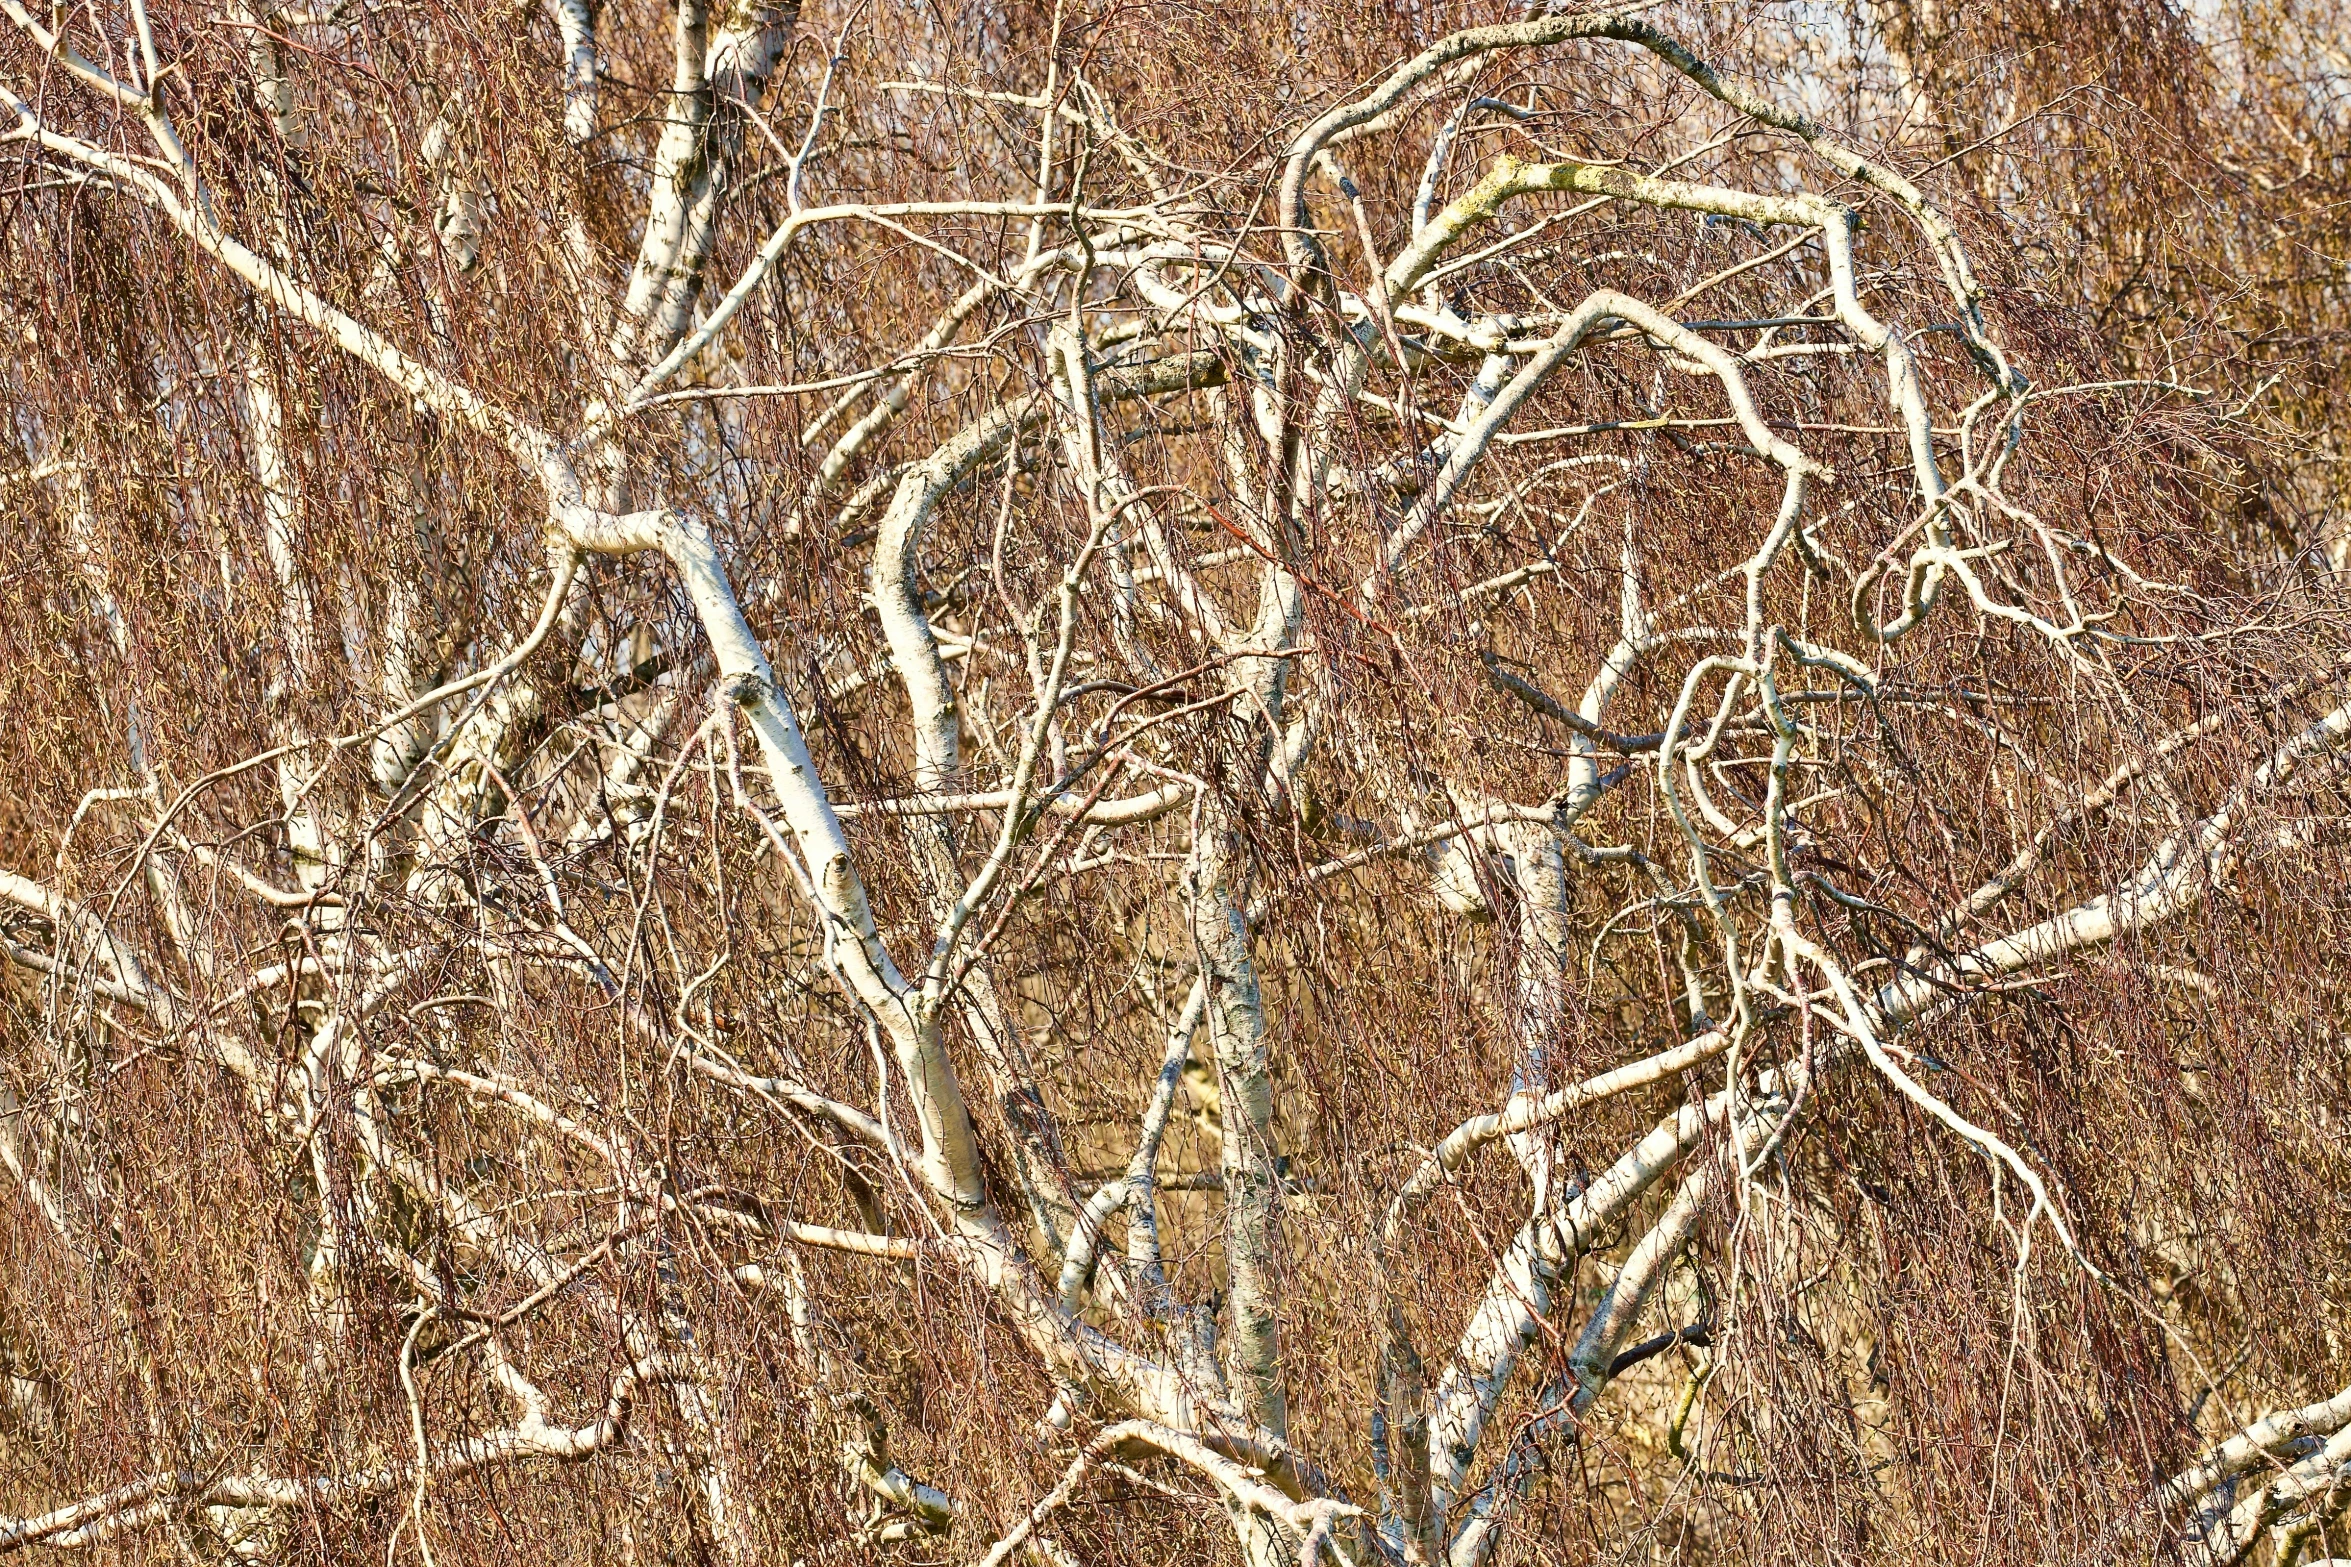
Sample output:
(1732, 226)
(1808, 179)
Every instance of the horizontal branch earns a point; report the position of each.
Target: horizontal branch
(157, 1498)
(1110, 813)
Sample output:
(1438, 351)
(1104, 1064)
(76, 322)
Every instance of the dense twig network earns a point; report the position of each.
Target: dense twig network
(1101, 785)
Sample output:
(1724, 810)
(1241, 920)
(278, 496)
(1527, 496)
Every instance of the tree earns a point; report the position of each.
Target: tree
(919, 782)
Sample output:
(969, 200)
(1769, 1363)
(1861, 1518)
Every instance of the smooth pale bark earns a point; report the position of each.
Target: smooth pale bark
(1519, 1298)
(723, 56)
(1252, 1190)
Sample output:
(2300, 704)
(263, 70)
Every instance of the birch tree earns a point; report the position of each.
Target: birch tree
(1285, 786)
